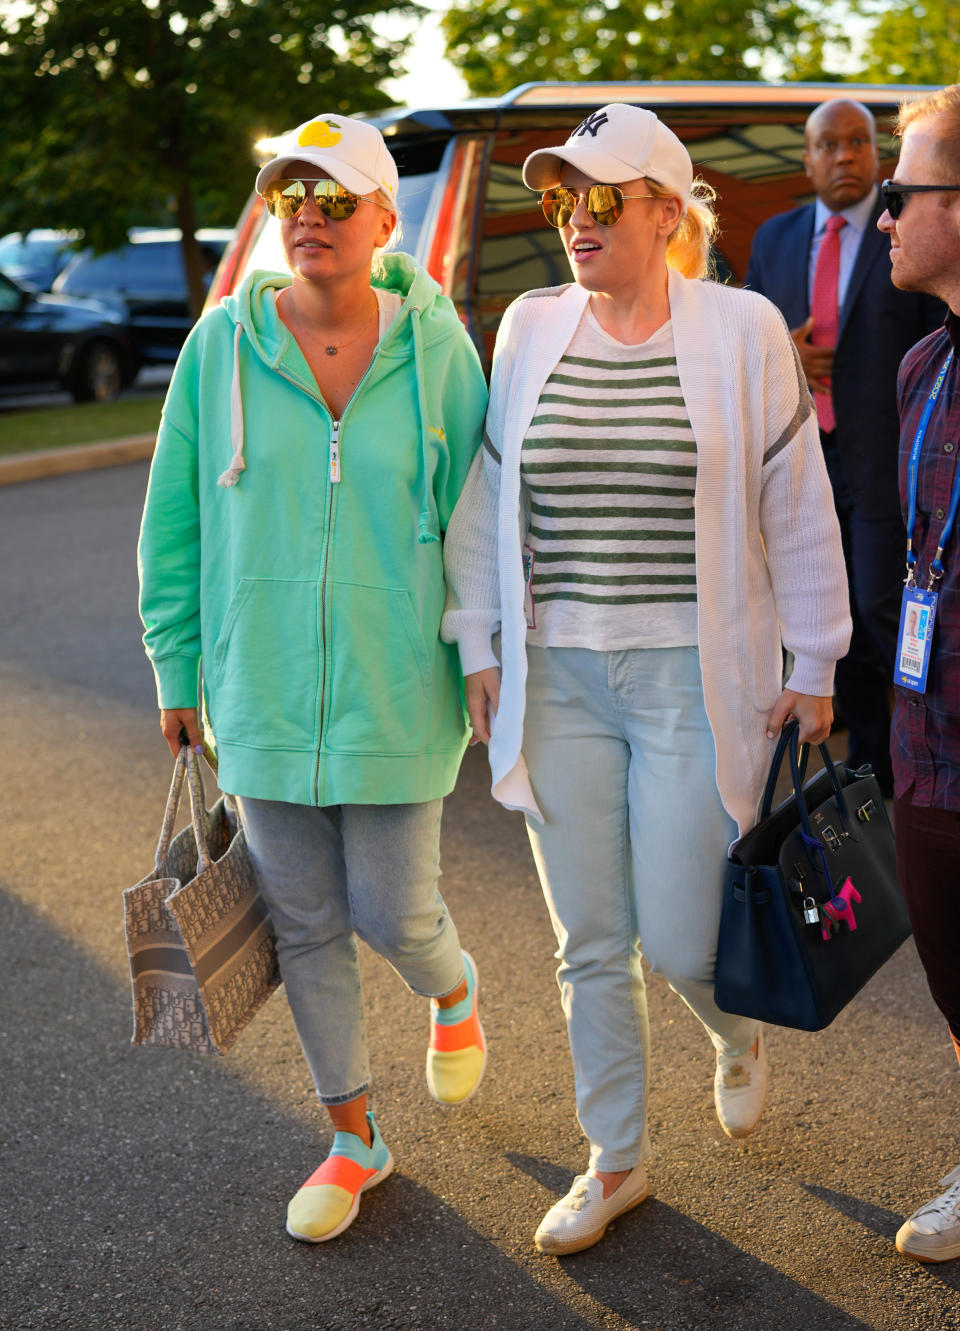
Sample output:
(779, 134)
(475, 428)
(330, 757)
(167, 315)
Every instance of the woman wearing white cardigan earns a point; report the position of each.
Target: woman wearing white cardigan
(648, 524)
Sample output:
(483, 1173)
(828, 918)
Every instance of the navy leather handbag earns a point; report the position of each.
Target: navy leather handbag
(811, 906)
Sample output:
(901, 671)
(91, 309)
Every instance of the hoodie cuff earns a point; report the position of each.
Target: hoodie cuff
(178, 681)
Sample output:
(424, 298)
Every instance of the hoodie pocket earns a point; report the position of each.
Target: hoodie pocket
(380, 689)
(266, 666)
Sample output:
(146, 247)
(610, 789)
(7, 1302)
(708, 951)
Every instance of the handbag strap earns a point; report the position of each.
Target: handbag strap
(789, 728)
(187, 765)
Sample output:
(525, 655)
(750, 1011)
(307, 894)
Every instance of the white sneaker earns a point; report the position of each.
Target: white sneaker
(581, 1218)
(740, 1089)
(932, 1234)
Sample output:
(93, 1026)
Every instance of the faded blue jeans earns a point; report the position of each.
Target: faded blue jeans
(329, 876)
(623, 765)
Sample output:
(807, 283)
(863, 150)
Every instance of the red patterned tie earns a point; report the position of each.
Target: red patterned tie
(823, 307)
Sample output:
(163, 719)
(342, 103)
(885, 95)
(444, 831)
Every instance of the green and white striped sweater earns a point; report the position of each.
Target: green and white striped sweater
(609, 463)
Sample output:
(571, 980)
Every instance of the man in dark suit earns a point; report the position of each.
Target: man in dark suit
(827, 268)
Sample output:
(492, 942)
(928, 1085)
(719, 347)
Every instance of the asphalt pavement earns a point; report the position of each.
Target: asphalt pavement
(145, 1189)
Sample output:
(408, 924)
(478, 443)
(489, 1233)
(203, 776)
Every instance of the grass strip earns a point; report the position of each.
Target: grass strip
(83, 423)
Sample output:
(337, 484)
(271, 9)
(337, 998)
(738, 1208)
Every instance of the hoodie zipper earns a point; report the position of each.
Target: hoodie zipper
(334, 480)
(334, 475)
(335, 453)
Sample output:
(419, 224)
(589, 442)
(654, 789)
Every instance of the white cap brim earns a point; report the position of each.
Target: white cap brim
(542, 168)
(326, 163)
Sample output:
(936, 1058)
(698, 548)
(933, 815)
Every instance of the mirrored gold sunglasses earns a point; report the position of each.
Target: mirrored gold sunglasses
(285, 197)
(604, 203)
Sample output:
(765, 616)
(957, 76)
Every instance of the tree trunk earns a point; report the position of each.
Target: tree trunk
(194, 264)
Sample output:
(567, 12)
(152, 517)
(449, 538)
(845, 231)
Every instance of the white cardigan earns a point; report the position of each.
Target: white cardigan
(768, 555)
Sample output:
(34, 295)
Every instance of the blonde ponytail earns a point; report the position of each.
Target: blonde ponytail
(690, 247)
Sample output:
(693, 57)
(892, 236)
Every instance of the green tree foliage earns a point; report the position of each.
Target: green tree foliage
(499, 43)
(913, 43)
(124, 112)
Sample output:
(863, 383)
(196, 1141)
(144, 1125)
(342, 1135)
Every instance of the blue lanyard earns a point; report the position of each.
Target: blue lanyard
(936, 565)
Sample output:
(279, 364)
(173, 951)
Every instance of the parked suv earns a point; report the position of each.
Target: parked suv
(469, 219)
(75, 344)
(145, 282)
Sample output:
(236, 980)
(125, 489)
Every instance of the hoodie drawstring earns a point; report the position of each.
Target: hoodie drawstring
(237, 464)
(428, 526)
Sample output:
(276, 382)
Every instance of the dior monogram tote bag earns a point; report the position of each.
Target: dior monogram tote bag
(200, 943)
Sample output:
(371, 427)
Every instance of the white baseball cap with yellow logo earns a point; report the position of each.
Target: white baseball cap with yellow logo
(351, 152)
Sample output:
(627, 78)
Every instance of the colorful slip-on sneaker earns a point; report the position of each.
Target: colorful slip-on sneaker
(329, 1200)
(457, 1054)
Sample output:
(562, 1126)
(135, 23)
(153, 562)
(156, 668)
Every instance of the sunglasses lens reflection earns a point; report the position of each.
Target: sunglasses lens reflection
(604, 203)
(558, 206)
(334, 201)
(285, 198)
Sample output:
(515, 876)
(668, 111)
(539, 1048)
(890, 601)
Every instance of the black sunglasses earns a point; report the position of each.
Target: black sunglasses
(895, 194)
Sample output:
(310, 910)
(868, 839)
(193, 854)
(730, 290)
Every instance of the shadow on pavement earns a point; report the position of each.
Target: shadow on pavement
(884, 1223)
(145, 1189)
(702, 1282)
(741, 1291)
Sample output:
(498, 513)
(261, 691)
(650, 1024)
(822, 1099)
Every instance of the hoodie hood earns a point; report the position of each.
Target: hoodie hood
(425, 317)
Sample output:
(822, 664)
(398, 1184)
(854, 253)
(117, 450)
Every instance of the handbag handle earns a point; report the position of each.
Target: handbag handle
(783, 744)
(187, 765)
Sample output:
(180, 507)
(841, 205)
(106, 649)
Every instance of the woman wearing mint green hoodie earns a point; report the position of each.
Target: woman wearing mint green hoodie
(315, 438)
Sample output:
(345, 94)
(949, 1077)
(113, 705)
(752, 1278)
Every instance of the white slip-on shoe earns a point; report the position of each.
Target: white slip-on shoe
(740, 1089)
(932, 1234)
(580, 1219)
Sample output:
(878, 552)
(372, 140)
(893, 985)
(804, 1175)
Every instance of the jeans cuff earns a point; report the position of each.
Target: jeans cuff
(334, 1100)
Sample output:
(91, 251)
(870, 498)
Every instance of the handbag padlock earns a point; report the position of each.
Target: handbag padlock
(811, 915)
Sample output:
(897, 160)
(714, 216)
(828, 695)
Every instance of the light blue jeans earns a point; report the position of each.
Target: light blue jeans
(623, 765)
(329, 876)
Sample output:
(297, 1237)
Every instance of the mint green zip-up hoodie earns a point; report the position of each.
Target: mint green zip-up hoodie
(313, 605)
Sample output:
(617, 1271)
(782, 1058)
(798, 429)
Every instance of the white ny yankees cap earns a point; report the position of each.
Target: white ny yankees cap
(617, 143)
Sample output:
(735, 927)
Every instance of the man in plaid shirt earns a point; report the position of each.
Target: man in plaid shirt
(923, 223)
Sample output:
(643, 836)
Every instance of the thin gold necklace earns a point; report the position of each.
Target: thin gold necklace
(334, 349)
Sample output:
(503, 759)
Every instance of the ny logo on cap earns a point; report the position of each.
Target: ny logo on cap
(591, 124)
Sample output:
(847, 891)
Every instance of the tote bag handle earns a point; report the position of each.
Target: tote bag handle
(187, 765)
